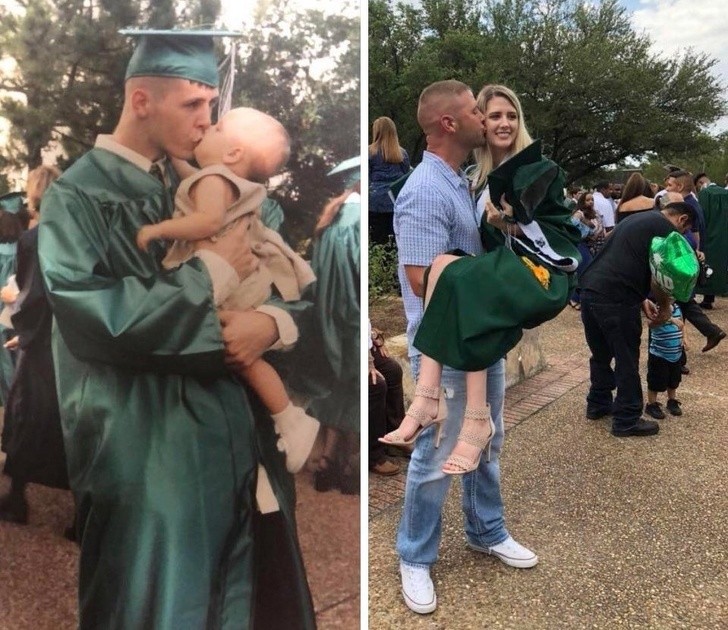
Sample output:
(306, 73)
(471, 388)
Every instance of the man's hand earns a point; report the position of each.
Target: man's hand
(663, 316)
(247, 335)
(649, 308)
(234, 247)
(700, 255)
(12, 344)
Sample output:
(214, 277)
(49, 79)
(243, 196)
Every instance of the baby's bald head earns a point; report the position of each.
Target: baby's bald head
(264, 139)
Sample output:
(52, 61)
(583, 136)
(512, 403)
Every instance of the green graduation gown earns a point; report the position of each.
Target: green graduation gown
(162, 445)
(714, 202)
(481, 304)
(7, 365)
(336, 263)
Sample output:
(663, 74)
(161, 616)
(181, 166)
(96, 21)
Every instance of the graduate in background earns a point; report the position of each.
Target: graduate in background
(13, 220)
(336, 263)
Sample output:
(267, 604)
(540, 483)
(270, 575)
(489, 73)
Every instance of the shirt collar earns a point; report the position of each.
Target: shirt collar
(456, 176)
(107, 142)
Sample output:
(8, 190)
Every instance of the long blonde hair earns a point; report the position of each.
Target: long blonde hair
(384, 139)
(483, 156)
(38, 181)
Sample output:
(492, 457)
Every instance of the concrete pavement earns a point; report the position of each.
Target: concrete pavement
(631, 533)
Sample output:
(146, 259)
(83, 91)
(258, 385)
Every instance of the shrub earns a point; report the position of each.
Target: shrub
(382, 271)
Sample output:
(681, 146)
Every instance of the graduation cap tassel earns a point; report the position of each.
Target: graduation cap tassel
(226, 84)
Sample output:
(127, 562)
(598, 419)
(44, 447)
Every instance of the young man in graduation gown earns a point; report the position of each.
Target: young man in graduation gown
(714, 202)
(185, 509)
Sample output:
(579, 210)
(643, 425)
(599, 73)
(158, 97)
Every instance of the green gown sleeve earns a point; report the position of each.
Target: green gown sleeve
(7, 365)
(336, 264)
(113, 303)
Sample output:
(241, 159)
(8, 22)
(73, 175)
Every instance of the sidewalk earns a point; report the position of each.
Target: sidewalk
(630, 533)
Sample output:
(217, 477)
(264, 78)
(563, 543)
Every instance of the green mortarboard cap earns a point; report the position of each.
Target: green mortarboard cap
(352, 169)
(12, 202)
(188, 54)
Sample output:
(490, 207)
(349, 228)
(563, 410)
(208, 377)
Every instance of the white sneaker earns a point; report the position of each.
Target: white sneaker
(417, 589)
(509, 552)
(297, 431)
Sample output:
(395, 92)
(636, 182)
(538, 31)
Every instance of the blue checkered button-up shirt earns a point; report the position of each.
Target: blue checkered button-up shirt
(434, 213)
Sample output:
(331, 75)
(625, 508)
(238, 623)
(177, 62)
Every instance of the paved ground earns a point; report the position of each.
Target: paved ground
(38, 566)
(631, 533)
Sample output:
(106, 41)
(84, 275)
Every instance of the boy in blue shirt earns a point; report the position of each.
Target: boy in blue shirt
(663, 364)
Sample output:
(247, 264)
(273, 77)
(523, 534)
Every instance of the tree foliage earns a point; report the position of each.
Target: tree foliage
(591, 86)
(302, 66)
(69, 72)
(298, 64)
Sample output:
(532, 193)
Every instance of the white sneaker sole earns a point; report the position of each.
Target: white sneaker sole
(420, 609)
(518, 563)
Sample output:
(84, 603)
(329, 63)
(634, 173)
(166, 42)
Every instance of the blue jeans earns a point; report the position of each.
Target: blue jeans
(613, 332)
(586, 258)
(420, 528)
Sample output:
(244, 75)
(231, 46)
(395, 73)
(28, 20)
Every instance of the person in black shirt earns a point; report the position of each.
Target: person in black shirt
(614, 288)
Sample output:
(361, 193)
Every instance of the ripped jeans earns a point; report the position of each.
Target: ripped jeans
(420, 528)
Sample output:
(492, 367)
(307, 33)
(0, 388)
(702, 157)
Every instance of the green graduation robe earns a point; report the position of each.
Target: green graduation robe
(336, 263)
(162, 446)
(481, 304)
(714, 202)
(7, 366)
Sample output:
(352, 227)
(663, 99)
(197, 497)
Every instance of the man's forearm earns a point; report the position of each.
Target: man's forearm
(416, 278)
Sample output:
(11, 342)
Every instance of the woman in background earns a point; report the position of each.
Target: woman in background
(636, 197)
(387, 163)
(588, 222)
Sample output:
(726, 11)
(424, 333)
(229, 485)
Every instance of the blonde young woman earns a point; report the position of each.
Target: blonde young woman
(505, 135)
(387, 163)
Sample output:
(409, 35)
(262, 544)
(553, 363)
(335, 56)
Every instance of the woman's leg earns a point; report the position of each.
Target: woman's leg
(425, 403)
(477, 428)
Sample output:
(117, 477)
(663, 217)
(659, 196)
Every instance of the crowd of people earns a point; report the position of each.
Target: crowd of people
(451, 233)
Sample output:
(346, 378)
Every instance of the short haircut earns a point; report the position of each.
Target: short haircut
(450, 88)
(684, 178)
(601, 185)
(697, 178)
(676, 208)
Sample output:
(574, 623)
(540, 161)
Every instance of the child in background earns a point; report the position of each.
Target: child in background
(244, 148)
(663, 364)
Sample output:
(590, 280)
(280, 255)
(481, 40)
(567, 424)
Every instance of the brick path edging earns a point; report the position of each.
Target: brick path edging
(522, 400)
